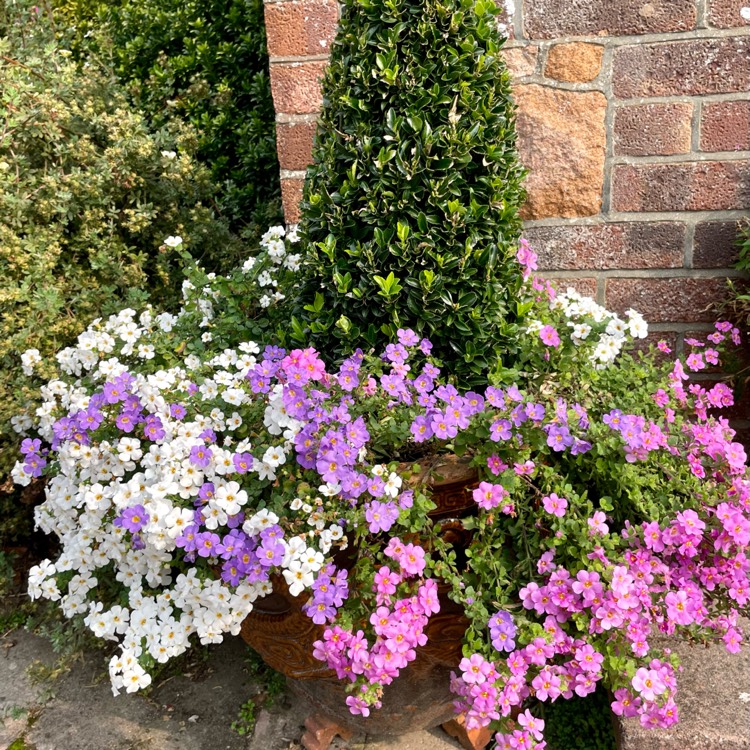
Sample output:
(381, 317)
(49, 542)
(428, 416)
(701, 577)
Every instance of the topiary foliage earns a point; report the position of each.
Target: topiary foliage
(410, 209)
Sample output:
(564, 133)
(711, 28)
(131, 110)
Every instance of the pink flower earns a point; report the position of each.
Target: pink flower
(596, 523)
(475, 669)
(648, 683)
(488, 496)
(531, 724)
(555, 505)
(549, 336)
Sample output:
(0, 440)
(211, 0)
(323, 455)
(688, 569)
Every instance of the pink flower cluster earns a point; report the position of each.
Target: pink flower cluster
(547, 668)
(398, 626)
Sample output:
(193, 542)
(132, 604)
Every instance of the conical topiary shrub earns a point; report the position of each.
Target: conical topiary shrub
(410, 209)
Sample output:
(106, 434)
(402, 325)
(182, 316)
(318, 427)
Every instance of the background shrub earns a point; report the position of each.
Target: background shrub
(204, 61)
(411, 203)
(88, 193)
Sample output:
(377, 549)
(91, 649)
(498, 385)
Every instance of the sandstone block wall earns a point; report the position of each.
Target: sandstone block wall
(634, 121)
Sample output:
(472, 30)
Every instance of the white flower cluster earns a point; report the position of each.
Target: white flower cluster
(95, 482)
(273, 243)
(603, 331)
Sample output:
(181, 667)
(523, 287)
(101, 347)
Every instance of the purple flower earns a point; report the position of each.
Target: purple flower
(200, 456)
(127, 421)
(177, 411)
(559, 437)
(243, 462)
(270, 552)
(133, 519)
(501, 430)
(444, 426)
(396, 353)
(495, 396)
(407, 337)
(206, 543)
(31, 446)
(154, 429)
(381, 516)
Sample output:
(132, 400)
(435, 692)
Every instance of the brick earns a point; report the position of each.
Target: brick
(577, 62)
(673, 300)
(715, 244)
(521, 61)
(725, 126)
(690, 68)
(609, 246)
(727, 14)
(300, 28)
(291, 195)
(695, 186)
(296, 87)
(294, 142)
(584, 286)
(549, 19)
(653, 129)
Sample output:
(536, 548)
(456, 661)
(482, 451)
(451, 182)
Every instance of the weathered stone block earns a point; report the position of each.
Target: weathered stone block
(300, 28)
(548, 19)
(577, 62)
(585, 286)
(653, 129)
(725, 126)
(712, 716)
(296, 87)
(521, 61)
(694, 186)
(690, 68)
(291, 195)
(625, 245)
(562, 139)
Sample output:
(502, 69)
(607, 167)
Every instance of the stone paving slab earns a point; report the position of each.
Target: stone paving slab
(712, 714)
(194, 711)
(190, 712)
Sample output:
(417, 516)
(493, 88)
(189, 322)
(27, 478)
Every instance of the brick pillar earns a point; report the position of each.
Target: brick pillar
(634, 122)
(299, 35)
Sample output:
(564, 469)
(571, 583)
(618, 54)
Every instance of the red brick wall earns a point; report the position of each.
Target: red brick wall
(634, 121)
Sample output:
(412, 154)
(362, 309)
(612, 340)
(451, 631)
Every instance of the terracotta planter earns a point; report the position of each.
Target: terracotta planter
(420, 698)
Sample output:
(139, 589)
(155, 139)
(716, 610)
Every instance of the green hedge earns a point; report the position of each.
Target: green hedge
(204, 61)
(88, 194)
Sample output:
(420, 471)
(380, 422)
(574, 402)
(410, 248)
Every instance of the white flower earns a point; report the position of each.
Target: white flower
(174, 241)
(29, 359)
(616, 328)
(168, 154)
(274, 456)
